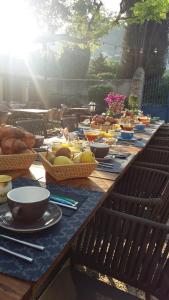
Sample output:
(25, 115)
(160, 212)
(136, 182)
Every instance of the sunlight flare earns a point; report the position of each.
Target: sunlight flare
(18, 28)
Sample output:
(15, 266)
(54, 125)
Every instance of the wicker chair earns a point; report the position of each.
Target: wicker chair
(162, 132)
(14, 118)
(154, 158)
(35, 126)
(127, 248)
(159, 142)
(142, 192)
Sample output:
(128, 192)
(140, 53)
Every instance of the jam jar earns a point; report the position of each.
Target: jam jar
(5, 187)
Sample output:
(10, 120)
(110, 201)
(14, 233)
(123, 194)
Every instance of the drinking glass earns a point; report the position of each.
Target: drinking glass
(91, 135)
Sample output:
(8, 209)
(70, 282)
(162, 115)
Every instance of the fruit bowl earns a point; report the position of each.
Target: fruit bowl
(62, 172)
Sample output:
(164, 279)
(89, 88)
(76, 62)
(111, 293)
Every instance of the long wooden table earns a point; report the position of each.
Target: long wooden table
(15, 289)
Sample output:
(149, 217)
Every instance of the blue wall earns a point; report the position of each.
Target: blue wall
(161, 111)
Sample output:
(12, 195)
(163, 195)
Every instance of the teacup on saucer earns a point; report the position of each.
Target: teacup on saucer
(28, 203)
(100, 150)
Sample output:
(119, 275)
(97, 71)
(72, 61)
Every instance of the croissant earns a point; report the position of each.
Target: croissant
(11, 132)
(12, 146)
(29, 140)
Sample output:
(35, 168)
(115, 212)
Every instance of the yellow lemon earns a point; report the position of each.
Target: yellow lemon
(56, 147)
(62, 160)
(87, 157)
(67, 145)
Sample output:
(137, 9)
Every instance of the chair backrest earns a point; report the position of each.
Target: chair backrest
(143, 182)
(131, 249)
(142, 192)
(35, 126)
(157, 156)
(160, 141)
(70, 122)
(53, 115)
(154, 158)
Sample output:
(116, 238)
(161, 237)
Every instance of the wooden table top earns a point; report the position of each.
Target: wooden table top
(15, 289)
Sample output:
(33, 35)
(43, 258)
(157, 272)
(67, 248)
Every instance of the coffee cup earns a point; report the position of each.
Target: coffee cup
(100, 150)
(39, 140)
(28, 203)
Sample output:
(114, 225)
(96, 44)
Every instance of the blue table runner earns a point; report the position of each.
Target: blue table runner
(54, 239)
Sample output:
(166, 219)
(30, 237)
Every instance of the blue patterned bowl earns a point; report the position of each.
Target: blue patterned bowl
(140, 126)
(127, 135)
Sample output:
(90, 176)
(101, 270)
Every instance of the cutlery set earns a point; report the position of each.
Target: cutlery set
(105, 167)
(24, 257)
(64, 201)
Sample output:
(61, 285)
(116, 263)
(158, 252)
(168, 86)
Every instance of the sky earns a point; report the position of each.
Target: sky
(112, 5)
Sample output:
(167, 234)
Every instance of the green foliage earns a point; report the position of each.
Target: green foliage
(103, 67)
(85, 20)
(133, 103)
(99, 65)
(97, 93)
(147, 10)
(74, 62)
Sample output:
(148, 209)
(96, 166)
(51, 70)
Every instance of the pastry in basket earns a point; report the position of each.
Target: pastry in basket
(12, 146)
(11, 132)
(15, 140)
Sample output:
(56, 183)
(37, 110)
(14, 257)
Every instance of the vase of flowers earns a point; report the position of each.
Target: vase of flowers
(115, 104)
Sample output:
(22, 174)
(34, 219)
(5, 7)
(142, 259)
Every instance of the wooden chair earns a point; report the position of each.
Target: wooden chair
(153, 158)
(70, 122)
(142, 192)
(130, 249)
(35, 126)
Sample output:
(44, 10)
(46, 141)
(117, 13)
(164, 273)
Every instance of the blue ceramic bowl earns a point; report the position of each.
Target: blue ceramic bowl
(127, 135)
(140, 126)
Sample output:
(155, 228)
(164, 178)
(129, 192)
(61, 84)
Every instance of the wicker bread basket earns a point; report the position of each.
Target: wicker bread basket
(62, 172)
(17, 161)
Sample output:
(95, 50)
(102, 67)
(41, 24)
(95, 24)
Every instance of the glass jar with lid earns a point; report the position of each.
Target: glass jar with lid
(5, 187)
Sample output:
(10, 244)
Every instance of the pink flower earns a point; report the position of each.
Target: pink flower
(115, 102)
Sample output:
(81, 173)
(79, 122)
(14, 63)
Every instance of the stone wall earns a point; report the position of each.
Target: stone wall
(52, 92)
(76, 91)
